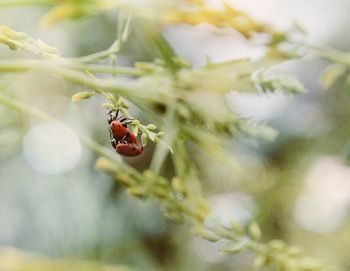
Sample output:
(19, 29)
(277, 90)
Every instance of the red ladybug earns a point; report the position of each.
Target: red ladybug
(129, 149)
(118, 129)
(121, 133)
(122, 139)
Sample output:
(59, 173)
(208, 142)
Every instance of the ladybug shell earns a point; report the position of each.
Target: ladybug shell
(120, 132)
(129, 149)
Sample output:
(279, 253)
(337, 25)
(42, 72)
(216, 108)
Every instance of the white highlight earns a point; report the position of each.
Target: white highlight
(51, 148)
(323, 205)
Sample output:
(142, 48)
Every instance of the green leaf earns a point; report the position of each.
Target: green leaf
(151, 127)
(224, 77)
(151, 135)
(108, 106)
(274, 83)
(256, 130)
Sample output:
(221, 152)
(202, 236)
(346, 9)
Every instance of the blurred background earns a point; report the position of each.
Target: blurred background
(298, 188)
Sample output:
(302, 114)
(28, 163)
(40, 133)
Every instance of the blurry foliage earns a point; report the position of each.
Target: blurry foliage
(187, 106)
(15, 260)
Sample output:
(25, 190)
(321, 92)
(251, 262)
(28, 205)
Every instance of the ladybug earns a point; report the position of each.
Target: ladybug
(118, 128)
(122, 139)
(129, 149)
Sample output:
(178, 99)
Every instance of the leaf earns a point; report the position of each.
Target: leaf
(224, 77)
(151, 135)
(274, 83)
(21, 40)
(256, 130)
(151, 127)
(108, 106)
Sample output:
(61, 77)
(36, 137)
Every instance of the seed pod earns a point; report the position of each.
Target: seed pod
(81, 96)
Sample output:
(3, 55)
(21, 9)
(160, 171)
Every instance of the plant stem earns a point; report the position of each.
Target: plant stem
(99, 55)
(161, 150)
(24, 65)
(117, 86)
(13, 3)
(107, 69)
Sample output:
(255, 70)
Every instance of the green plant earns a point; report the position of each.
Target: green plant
(176, 99)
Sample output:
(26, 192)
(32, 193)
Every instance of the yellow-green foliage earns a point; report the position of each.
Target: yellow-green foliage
(176, 98)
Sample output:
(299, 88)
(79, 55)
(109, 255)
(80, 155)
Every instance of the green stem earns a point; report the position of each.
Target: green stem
(120, 87)
(161, 150)
(327, 53)
(13, 3)
(113, 49)
(24, 65)
(113, 70)
(99, 55)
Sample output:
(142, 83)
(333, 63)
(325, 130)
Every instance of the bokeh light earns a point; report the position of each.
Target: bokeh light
(323, 205)
(51, 148)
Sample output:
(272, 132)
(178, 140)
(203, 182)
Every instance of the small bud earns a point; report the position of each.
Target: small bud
(182, 62)
(260, 261)
(151, 127)
(148, 174)
(254, 231)
(178, 185)
(202, 210)
(277, 245)
(105, 164)
(120, 101)
(160, 192)
(209, 235)
(232, 246)
(236, 228)
(144, 139)
(163, 182)
(136, 191)
(135, 130)
(294, 251)
(108, 106)
(145, 66)
(125, 105)
(152, 136)
(81, 96)
(123, 179)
